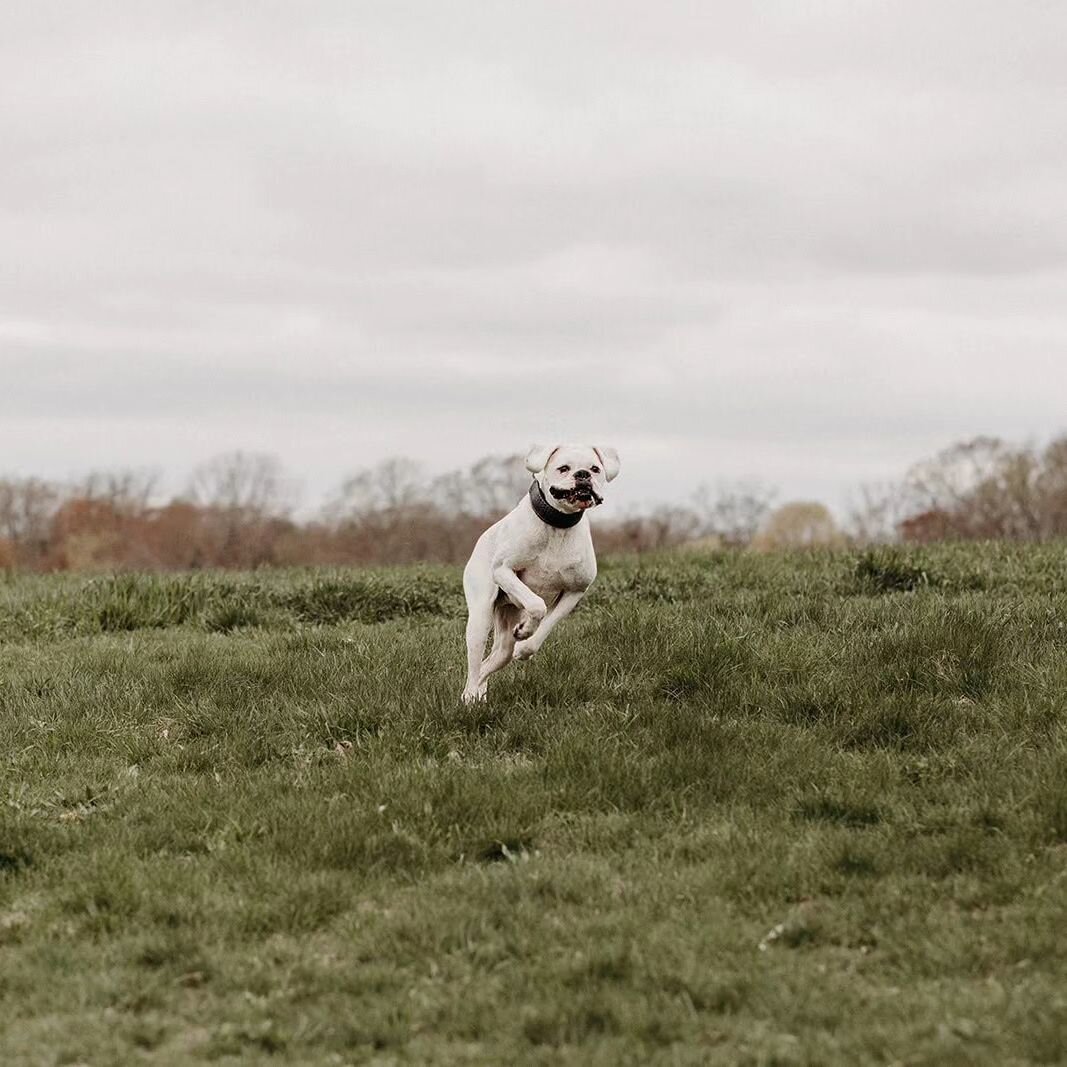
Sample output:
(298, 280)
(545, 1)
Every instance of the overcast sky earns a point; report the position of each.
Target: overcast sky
(809, 242)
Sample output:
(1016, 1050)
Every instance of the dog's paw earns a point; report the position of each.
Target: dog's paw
(475, 696)
(523, 650)
(527, 626)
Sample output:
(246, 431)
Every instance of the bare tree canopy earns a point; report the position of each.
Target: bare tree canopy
(733, 511)
(248, 482)
(987, 488)
(238, 512)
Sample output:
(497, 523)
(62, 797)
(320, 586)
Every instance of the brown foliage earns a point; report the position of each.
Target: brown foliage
(27, 507)
(237, 512)
(987, 489)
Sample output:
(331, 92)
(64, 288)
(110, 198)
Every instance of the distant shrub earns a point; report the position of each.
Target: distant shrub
(13, 859)
(1050, 800)
(220, 603)
(890, 727)
(854, 862)
(702, 663)
(825, 807)
(886, 570)
(368, 598)
(133, 602)
(680, 581)
(226, 617)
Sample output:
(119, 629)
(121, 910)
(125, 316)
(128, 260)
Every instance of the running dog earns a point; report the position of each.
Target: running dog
(529, 570)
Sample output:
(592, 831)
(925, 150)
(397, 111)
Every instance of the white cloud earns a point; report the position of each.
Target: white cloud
(804, 241)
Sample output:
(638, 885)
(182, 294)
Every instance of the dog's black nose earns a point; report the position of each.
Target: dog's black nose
(582, 475)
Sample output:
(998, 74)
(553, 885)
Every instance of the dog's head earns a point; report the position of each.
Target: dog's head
(573, 477)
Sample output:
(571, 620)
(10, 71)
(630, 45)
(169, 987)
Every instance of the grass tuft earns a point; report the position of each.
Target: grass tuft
(824, 806)
(14, 860)
(890, 570)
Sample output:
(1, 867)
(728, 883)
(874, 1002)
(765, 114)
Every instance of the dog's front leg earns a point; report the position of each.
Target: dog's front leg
(560, 610)
(522, 596)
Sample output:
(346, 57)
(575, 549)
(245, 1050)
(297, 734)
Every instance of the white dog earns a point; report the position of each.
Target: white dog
(529, 570)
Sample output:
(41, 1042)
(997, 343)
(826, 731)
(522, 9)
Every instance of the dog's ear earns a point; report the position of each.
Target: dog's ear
(538, 456)
(609, 457)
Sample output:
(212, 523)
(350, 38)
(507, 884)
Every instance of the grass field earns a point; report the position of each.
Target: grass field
(740, 810)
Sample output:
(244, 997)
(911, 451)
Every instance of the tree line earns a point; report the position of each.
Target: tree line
(236, 511)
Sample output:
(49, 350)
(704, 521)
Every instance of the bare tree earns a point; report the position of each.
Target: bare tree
(666, 527)
(391, 485)
(491, 487)
(876, 513)
(983, 488)
(128, 492)
(497, 483)
(248, 482)
(384, 514)
(27, 509)
(945, 480)
(246, 503)
(1052, 489)
(733, 511)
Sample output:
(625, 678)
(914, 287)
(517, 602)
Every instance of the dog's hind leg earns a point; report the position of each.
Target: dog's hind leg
(505, 615)
(480, 593)
(478, 622)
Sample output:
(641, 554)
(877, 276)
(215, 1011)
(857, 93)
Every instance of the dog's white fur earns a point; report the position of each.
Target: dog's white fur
(524, 575)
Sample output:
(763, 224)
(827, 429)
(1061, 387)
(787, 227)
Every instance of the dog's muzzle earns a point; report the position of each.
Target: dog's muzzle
(583, 495)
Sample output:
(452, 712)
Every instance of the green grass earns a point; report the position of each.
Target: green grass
(740, 810)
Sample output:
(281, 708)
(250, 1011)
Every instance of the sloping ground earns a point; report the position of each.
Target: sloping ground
(741, 809)
(216, 602)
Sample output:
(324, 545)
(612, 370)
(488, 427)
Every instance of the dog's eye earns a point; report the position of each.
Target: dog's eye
(595, 470)
(564, 469)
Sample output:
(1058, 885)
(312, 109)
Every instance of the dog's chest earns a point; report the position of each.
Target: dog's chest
(562, 564)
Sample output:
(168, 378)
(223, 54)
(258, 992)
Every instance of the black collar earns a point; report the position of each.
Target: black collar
(547, 513)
